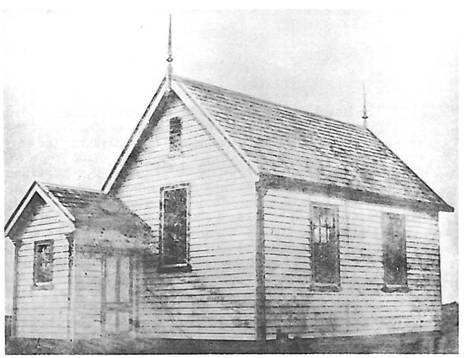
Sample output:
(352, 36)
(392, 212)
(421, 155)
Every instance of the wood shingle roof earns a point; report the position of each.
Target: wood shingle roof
(292, 143)
(99, 220)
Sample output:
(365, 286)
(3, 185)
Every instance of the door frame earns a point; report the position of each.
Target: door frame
(131, 306)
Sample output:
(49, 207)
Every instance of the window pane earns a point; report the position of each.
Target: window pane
(394, 250)
(175, 135)
(324, 238)
(43, 259)
(174, 226)
(326, 263)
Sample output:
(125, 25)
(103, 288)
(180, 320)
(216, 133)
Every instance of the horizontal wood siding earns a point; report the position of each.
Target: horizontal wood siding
(360, 307)
(43, 313)
(216, 299)
(87, 296)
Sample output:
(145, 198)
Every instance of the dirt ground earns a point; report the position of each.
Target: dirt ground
(445, 341)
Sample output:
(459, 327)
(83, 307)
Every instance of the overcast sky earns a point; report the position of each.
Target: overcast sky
(76, 81)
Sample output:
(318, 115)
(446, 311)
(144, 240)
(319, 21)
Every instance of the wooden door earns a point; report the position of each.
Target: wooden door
(118, 295)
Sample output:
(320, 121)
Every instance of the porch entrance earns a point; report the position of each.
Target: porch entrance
(118, 293)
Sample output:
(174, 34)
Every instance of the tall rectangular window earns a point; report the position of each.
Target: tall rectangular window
(394, 250)
(174, 226)
(175, 136)
(43, 261)
(325, 257)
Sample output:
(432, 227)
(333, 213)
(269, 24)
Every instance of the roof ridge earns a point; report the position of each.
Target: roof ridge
(336, 143)
(269, 102)
(48, 184)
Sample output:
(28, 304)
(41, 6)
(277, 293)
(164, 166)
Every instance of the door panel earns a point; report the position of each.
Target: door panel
(124, 279)
(111, 322)
(123, 322)
(110, 279)
(117, 308)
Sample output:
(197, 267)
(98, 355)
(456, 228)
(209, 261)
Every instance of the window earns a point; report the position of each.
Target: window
(394, 252)
(325, 260)
(174, 226)
(175, 136)
(43, 260)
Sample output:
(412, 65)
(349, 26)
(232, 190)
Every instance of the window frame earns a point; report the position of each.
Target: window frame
(397, 287)
(174, 152)
(323, 286)
(42, 284)
(186, 265)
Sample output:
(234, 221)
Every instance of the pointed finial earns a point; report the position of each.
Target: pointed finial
(169, 58)
(364, 109)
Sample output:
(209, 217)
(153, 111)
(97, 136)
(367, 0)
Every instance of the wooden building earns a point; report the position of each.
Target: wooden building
(227, 217)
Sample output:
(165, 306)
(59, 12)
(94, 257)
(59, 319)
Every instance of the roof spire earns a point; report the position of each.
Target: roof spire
(364, 108)
(169, 58)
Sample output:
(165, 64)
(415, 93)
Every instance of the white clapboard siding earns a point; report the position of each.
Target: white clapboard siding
(217, 299)
(360, 307)
(87, 294)
(42, 313)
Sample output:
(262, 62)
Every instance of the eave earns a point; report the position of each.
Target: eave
(233, 151)
(43, 192)
(271, 181)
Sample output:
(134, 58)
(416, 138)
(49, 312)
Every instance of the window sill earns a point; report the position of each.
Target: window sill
(42, 286)
(325, 287)
(395, 288)
(175, 268)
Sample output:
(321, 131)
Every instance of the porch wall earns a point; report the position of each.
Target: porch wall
(42, 313)
(88, 294)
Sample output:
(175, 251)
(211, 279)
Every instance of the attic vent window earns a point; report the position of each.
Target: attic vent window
(43, 260)
(175, 136)
(174, 228)
(324, 241)
(394, 253)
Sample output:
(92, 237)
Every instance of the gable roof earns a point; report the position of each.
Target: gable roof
(232, 150)
(291, 143)
(283, 142)
(40, 190)
(72, 198)
(102, 220)
(98, 219)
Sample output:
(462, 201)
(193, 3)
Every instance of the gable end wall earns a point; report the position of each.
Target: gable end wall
(216, 300)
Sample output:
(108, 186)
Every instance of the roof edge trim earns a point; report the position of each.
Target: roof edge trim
(56, 201)
(49, 198)
(134, 137)
(235, 153)
(441, 203)
(279, 182)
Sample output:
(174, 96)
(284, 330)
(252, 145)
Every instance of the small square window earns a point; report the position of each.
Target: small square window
(43, 261)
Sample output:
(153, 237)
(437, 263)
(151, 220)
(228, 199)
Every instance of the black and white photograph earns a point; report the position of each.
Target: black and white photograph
(236, 180)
